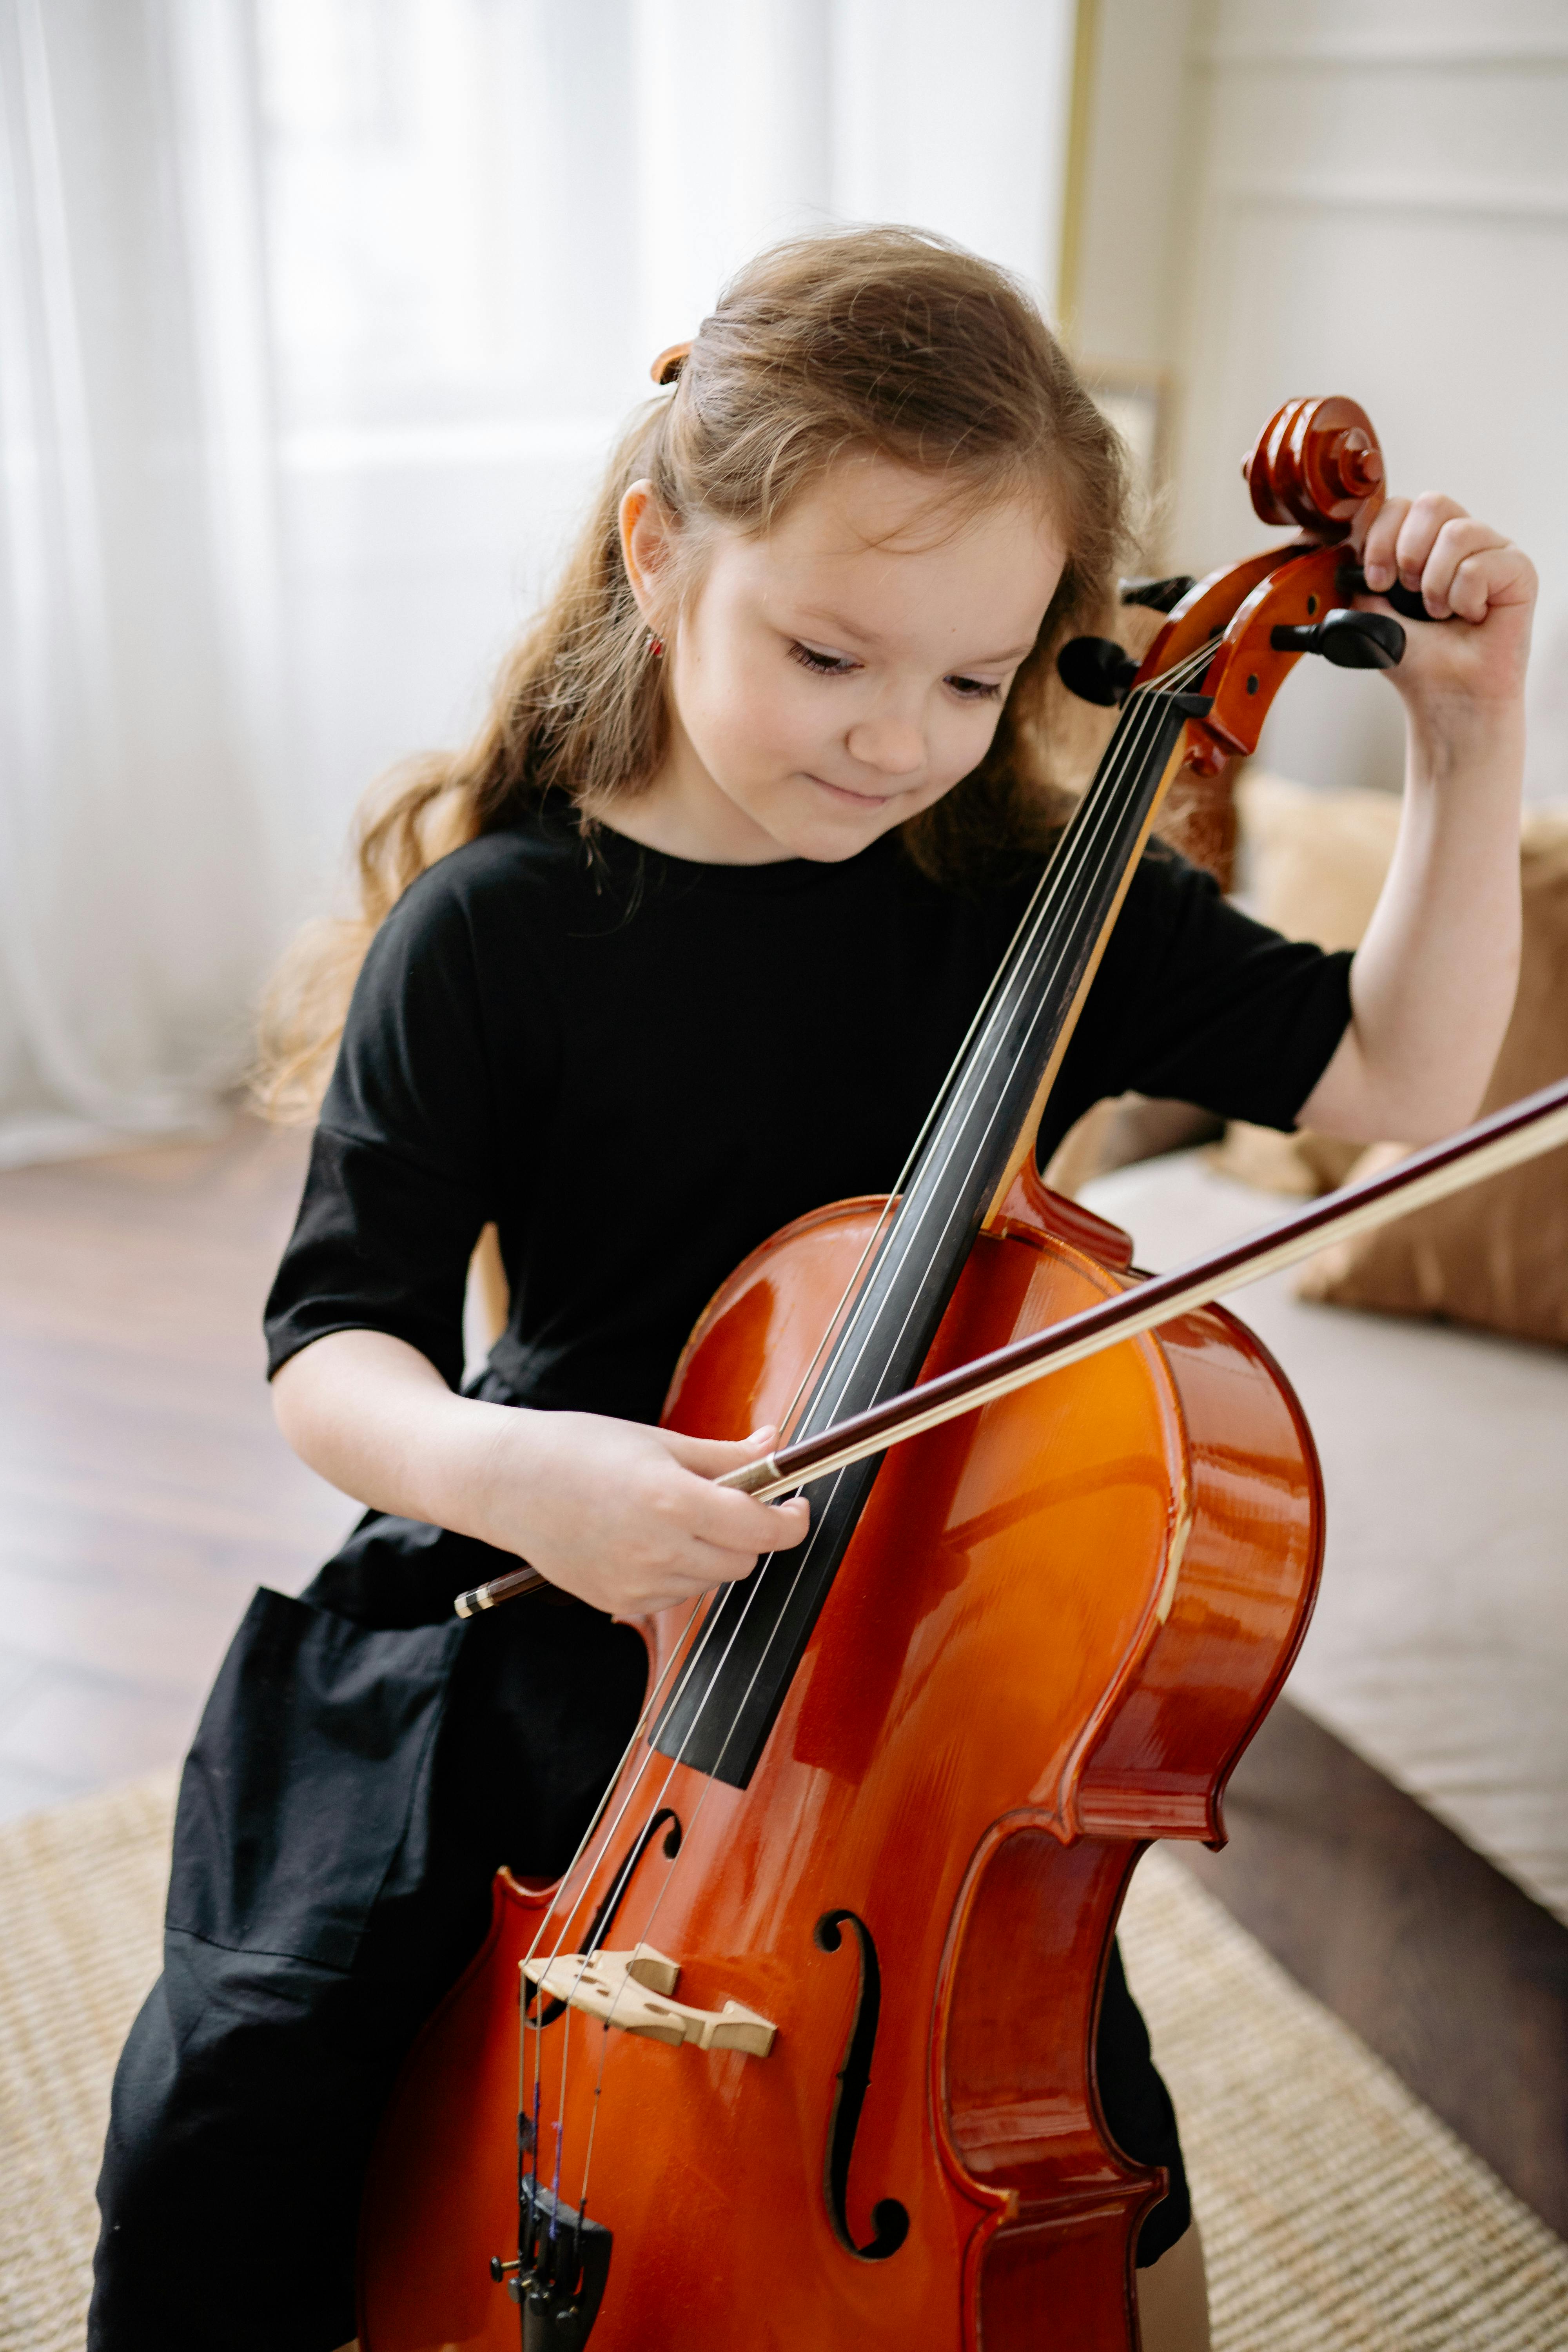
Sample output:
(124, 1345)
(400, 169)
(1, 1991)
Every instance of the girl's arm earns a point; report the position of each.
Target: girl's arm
(1432, 985)
(624, 1517)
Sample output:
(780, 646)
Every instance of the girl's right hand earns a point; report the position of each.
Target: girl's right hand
(624, 1517)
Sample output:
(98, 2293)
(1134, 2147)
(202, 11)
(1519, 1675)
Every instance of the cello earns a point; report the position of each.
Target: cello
(800, 2051)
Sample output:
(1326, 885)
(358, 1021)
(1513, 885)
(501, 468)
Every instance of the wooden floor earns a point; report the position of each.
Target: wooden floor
(144, 1489)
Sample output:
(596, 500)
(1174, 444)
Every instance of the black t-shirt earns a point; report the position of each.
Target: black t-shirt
(640, 1068)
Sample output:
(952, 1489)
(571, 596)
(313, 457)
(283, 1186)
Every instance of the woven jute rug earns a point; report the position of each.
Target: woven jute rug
(1339, 2214)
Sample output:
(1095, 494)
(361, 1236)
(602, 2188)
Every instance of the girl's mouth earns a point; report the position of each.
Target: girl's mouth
(854, 800)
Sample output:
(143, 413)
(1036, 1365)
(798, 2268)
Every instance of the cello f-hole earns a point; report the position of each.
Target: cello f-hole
(890, 2220)
(603, 1918)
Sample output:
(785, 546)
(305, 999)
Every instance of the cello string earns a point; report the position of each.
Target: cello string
(647, 1927)
(603, 1806)
(1039, 898)
(690, 1667)
(1026, 978)
(588, 1875)
(1137, 751)
(1177, 677)
(1134, 750)
(1048, 887)
(1036, 909)
(1040, 906)
(585, 1959)
(586, 1882)
(1103, 820)
(1030, 981)
(599, 1811)
(1028, 984)
(890, 1206)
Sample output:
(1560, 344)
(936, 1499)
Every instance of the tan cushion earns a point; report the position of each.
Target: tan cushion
(1301, 1165)
(1119, 1130)
(1315, 860)
(1496, 1255)
(1314, 864)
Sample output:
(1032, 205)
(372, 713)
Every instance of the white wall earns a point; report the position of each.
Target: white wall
(1368, 196)
(486, 221)
(317, 318)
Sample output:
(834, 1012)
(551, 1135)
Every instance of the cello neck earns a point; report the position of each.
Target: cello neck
(983, 1123)
(719, 1718)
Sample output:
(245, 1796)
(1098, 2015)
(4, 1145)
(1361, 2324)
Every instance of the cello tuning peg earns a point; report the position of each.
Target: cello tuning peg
(1349, 640)
(1096, 669)
(1407, 602)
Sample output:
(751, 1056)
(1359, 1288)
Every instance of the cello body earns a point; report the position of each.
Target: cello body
(1058, 1623)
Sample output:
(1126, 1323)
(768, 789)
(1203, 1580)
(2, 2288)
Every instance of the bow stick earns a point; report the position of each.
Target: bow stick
(1507, 1137)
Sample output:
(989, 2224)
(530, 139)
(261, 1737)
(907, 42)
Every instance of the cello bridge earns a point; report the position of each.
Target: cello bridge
(634, 1992)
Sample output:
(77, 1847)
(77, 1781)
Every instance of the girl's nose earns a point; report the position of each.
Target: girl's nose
(893, 746)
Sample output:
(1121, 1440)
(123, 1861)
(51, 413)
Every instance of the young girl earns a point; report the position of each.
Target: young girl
(752, 821)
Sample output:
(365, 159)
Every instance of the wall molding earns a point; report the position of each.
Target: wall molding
(1545, 205)
(1432, 57)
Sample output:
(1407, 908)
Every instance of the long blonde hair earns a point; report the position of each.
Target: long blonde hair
(883, 340)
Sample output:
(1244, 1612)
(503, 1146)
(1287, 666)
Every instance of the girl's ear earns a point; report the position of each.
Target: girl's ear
(646, 548)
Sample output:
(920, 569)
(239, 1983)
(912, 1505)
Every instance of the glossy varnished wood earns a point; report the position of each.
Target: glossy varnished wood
(1053, 1632)
(1041, 1638)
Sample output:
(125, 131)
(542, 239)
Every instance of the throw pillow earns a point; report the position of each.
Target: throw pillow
(1496, 1255)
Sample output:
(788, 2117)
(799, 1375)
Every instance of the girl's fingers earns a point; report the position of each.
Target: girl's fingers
(1465, 594)
(1459, 565)
(712, 1564)
(1418, 533)
(792, 1522)
(712, 1456)
(1379, 559)
(1461, 537)
(1498, 574)
(708, 1564)
(722, 1514)
(740, 1523)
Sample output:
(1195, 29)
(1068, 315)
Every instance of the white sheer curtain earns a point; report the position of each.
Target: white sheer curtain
(315, 319)
(137, 676)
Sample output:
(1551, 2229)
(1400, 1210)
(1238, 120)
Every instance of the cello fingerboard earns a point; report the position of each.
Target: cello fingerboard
(756, 1633)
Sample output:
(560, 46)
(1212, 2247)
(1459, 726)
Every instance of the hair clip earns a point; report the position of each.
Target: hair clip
(667, 368)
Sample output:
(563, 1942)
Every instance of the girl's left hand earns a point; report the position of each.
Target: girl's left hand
(1468, 576)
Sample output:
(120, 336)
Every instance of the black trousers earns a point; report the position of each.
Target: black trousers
(365, 1764)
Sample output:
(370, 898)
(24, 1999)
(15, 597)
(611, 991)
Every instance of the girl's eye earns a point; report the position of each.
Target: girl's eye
(822, 664)
(970, 690)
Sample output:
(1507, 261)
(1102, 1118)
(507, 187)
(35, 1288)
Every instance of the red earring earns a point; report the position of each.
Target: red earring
(655, 645)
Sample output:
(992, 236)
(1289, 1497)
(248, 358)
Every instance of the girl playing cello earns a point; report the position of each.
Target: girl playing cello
(678, 948)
